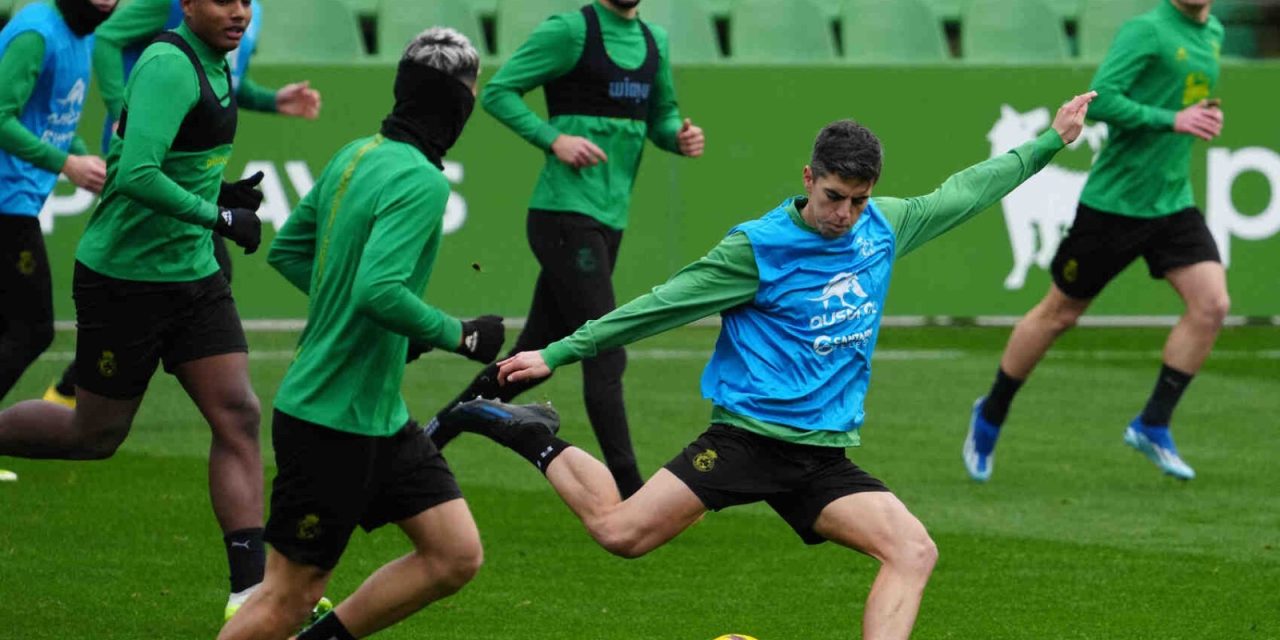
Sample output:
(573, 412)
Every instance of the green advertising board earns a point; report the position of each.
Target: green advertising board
(760, 123)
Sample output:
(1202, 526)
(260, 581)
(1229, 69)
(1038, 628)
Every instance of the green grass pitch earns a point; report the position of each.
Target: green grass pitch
(1076, 536)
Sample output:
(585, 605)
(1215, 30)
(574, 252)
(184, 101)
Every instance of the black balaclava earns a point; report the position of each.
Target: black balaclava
(431, 109)
(81, 16)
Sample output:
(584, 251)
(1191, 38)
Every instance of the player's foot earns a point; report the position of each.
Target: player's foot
(8, 476)
(53, 395)
(1157, 444)
(323, 607)
(237, 600)
(980, 444)
(503, 423)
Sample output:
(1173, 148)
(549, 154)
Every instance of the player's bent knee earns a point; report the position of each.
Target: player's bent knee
(622, 541)
(916, 554)
(1212, 313)
(99, 442)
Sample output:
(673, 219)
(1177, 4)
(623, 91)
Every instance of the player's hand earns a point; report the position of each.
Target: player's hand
(1069, 121)
(482, 338)
(690, 139)
(1202, 120)
(416, 349)
(298, 100)
(240, 226)
(526, 365)
(86, 172)
(242, 194)
(577, 152)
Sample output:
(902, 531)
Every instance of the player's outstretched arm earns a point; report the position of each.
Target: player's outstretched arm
(726, 277)
(920, 219)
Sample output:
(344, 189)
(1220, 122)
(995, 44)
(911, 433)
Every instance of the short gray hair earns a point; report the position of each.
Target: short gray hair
(445, 50)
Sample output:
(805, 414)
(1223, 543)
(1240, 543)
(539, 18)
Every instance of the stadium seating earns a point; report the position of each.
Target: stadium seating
(403, 19)
(690, 29)
(764, 31)
(310, 31)
(1099, 21)
(1012, 31)
(516, 19)
(875, 31)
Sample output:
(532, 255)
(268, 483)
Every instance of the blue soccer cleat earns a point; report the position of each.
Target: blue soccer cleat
(504, 423)
(1157, 444)
(980, 444)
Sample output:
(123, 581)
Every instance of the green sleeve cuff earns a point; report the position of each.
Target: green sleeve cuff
(255, 97)
(545, 135)
(207, 213)
(1163, 118)
(78, 147)
(451, 334)
(557, 355)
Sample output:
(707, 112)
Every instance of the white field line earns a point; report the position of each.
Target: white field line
(880, 355)
(297, 324)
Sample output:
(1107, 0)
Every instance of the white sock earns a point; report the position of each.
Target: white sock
(238, 598)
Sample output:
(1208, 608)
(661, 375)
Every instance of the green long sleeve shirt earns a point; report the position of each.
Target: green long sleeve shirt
(728, 277)
(154, 221)
(1160, 62)
(361, 245)
(136, 23)
(20, 67)
(603, 191)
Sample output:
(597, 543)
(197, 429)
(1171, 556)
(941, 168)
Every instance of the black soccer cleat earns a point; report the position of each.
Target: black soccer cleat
(501, 422)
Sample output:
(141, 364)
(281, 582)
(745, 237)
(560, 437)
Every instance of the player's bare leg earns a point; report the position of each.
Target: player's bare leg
(879, 525)
(655, 514)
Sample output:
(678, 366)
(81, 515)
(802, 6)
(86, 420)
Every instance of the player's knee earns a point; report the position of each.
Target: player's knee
(621, 541)
(243, 415)
(99, 441)
(1211, 313)
(916, 554)
(450, 570)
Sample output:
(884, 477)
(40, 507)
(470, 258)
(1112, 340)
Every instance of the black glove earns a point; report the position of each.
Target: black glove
(482, 338)
(240, 226)
(242, 194)
(416, 349)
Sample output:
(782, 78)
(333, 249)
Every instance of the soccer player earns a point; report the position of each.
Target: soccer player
(361, 245)
(800, 292)
(118, 44)
(1154, 91)
(44, 76)
(608, 85)
(147, 288)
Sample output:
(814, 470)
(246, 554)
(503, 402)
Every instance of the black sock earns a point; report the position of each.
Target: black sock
(1169, 387)
(996, 407)
(246, 556)
(539, 449)
(327, 628)
(67, 385)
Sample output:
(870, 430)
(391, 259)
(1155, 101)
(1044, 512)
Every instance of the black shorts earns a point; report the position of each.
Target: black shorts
(124, 328)
(328, 481)
(728, 466)
(1100, 245)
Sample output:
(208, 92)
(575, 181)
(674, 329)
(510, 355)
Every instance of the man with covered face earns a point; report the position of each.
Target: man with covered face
(44, 77)
(361, 245)
(148, 290)
(607, 78)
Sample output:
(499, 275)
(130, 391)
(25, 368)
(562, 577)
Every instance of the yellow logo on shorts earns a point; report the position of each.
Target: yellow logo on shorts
(706, 460)
(1071, 270)
(309, 527)
(26, 263)
(107, 364)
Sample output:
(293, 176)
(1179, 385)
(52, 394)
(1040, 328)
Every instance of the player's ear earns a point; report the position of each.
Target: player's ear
(808, 179)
